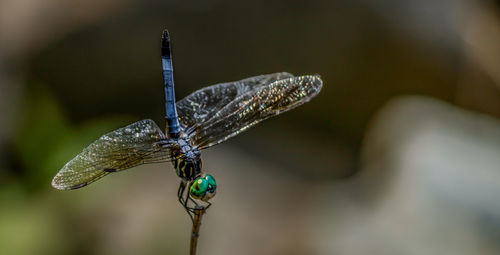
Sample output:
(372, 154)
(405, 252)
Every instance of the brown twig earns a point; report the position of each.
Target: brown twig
(195, 233)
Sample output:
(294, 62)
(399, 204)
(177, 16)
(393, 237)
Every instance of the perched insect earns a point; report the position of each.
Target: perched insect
(205, 118)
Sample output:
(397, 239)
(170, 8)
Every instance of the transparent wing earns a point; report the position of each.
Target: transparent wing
(203, 104)
(138, 143)
(255, 106)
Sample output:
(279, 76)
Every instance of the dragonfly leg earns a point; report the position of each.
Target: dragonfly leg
(194, 202)
(189, 198)
(183, 201)
(185, 198)
(182, 186)
(208, 205)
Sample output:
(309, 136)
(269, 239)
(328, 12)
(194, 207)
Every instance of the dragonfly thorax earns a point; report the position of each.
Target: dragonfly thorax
(187, 158)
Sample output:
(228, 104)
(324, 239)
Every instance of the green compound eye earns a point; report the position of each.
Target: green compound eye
(203, 187)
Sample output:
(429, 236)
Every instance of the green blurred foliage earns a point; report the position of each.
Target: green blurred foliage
(28, 225)
(45, 140)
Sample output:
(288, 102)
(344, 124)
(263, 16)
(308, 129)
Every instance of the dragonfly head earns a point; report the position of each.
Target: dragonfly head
(203, 187)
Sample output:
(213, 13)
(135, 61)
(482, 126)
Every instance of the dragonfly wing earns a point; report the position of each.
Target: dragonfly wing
(255, 106)
(203, 104)
(138, 143)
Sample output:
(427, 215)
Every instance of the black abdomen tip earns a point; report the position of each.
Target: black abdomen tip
(165, 39)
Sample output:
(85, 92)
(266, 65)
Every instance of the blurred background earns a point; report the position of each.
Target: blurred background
(399, 153)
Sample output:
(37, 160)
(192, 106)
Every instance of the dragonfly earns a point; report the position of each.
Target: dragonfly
(205, 118)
